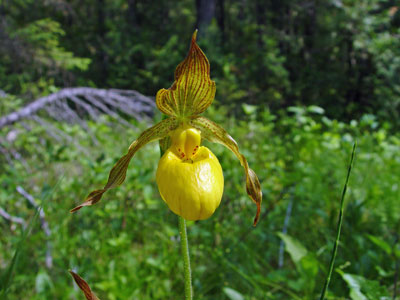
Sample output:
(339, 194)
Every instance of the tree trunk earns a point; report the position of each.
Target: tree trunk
(132, 19)
(102, 57)
(221, 17)
(205, 13)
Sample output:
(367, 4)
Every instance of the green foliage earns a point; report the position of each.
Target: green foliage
(33, 60)
(340, 55)
(363, 289)
(293, 247)
(43, 37)
(127, 246)
(305, 262)
(297, 83)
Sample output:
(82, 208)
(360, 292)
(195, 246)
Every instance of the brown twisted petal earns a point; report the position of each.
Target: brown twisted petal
(118, 172)
(215, 133)
(193, 90)
(84, 286)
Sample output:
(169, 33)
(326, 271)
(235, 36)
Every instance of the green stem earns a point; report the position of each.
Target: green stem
(186, 259)
(339, 226)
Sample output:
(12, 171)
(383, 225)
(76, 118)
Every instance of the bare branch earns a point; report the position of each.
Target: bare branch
(92, 111)
(11, 218)
(105, 109)
(130, 102)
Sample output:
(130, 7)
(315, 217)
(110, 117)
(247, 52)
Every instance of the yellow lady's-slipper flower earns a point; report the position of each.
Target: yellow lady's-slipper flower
(189, 176)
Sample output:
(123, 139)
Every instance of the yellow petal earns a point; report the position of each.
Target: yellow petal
(185, 141)
(191, 188)
(118, 172)
(215, 133)
(193, 90)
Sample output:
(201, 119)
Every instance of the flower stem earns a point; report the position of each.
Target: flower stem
(186, 259)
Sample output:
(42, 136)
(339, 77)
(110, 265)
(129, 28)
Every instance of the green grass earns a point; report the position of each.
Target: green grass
(339, 226)
(127, 246)
(7, 277)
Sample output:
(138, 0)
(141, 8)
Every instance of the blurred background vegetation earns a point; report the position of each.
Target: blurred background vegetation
(297, 83)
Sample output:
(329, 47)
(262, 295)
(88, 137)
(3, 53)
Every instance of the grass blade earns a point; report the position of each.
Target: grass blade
(339, 226)
(6, 278)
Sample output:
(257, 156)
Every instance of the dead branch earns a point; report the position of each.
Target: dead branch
(129, 102)
(108, 111)
(11, 218)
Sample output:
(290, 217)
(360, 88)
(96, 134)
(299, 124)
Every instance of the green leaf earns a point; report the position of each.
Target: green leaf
(249, 109)
(380, 243)
(232, 294)
(309, 265)
(296, 110)
(354, 284)
(362, 288)
(316, 109)
(295, 249)
(43, 281)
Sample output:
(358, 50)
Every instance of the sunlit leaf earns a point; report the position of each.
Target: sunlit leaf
(215, 133)
(316, 109)
(362, 288)
(295, 249)
(249, 109)
(118, 172)
(232, 294)
(193, 90)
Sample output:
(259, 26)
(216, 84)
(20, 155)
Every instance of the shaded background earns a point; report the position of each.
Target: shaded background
(297, 83)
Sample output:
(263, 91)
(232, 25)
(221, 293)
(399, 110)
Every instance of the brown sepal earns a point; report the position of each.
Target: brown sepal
(215, 133)
(82, 284)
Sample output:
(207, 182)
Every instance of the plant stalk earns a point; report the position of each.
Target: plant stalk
(186, 259)
(339, 226)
